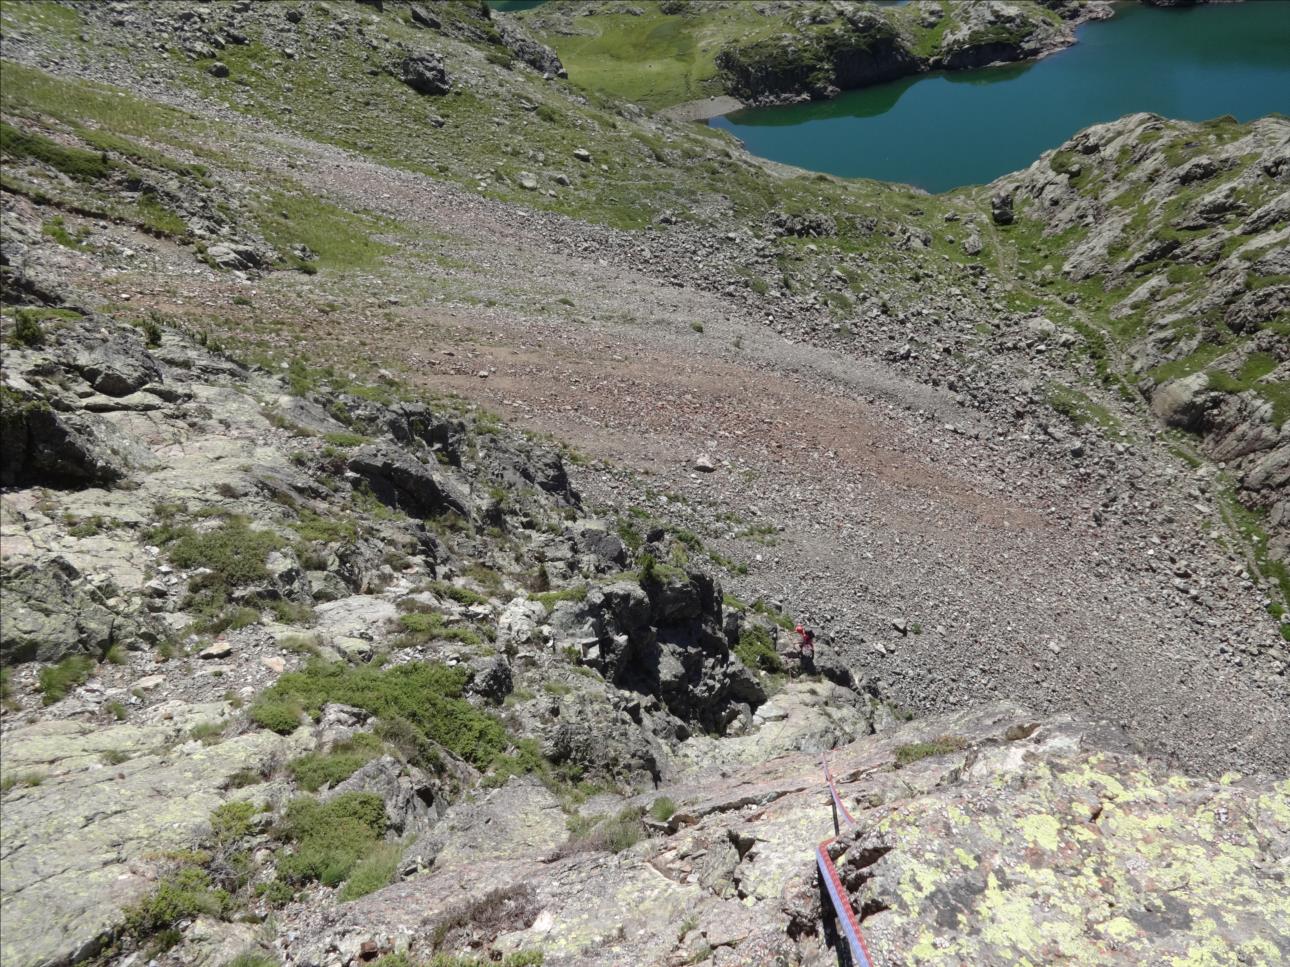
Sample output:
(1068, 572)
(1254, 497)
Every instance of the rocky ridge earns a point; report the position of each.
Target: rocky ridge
(1189, 255)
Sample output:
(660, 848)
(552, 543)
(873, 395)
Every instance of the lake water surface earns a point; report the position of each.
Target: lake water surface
(943, 130)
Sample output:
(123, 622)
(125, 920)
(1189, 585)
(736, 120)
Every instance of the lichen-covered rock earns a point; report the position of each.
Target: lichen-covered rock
(85, 841)
(986, 837)
(51, 612)
(1091, 857)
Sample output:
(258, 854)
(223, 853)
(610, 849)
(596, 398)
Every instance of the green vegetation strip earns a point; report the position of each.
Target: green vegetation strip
(425, 698)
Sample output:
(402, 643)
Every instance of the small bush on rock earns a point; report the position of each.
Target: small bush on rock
(277, 713)
(914, 751)
(662, 809)
(233, 552)
(231, 821)
(611, 833)
(379, 868)
(185, 894)
(420, 627)
(756, 650)
(252, 959)
(331, 838)
(28, 332)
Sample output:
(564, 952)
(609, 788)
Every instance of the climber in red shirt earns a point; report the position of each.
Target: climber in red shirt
(806, 649)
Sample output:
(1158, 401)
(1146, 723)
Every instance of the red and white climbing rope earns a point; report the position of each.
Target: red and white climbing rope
(846, 916)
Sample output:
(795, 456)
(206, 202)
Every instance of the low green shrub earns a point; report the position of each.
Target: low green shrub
(253, 959)
(234, 552)
(648, 569)
(151, 333)
(420, 627)
(427, 697)
(525, 758)
(74, 162)
(183, 895)
(345, 438)
(231, 821)
(550, 599)
(57, 680)
(28, 332)
(314, 770)
(756, 650)
(459, 594)
(331, 838)
(277, 713)
(378, 868)
(615, 833)
(662, 809)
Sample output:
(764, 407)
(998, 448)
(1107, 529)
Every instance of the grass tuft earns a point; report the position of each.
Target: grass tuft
(916, 751)
(57, 680)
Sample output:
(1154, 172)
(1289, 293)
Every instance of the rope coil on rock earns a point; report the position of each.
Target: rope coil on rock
(846, 916)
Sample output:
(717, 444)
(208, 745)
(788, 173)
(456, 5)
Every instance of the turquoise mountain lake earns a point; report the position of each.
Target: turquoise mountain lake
(940, 131)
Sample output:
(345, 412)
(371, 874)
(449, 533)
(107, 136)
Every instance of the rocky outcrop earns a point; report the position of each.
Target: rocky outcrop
(399, 480)
(855, 46)
(1183, 228)
(861, 50)
(963, 822)
(40, 445)
(663, 638)
(540, 57)
(51, 612)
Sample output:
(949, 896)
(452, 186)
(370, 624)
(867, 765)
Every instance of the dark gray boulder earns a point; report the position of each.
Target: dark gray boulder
(596, 540)
(399, 480)
(1001, 208)
(421, 17)
(424, 73)
(490, 679)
